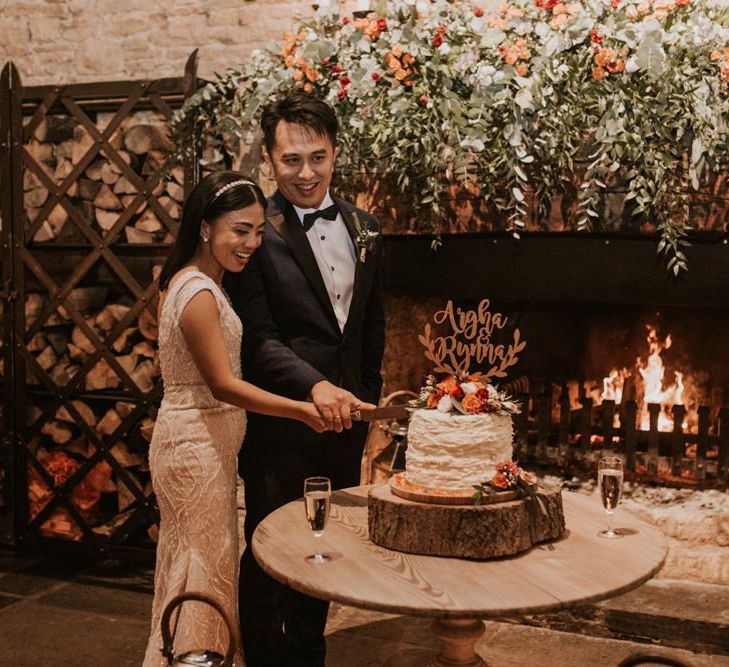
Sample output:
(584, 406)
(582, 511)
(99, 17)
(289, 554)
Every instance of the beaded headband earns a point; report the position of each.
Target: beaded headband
(225, 188)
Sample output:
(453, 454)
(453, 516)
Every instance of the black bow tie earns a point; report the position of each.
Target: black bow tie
(329, 213)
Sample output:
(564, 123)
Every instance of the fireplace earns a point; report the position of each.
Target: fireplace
(604, 323)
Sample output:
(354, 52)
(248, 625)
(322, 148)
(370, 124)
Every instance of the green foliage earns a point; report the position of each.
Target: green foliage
(509, 104)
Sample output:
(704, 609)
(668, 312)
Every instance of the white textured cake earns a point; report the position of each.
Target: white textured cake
(448, 450)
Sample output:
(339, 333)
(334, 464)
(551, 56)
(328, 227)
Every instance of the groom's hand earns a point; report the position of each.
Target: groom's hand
(334, 404)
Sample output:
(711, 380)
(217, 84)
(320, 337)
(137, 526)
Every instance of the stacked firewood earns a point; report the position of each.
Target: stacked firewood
(61, 348)
(103, 191)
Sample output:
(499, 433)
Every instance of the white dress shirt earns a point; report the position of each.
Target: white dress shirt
(334, 252)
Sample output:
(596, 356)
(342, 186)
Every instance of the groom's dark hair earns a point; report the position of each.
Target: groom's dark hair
(302, 109)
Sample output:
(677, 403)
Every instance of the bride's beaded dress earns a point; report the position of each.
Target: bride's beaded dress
(193, 460)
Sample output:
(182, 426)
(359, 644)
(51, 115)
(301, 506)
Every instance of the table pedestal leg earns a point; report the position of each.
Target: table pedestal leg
(458, 640)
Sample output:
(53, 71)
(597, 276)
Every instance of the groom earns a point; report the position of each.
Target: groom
(313, 328)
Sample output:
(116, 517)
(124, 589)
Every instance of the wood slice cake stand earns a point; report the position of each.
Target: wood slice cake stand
(412, 520)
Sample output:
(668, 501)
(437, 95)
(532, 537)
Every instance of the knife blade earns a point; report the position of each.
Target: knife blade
(388, 412)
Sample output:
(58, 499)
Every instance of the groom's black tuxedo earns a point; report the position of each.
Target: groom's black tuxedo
(291, 341)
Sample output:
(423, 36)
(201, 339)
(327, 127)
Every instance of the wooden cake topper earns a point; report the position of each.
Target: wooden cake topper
(469, 347)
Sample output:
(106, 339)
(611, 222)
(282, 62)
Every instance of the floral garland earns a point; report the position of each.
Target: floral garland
(507, 102)
(466, 395)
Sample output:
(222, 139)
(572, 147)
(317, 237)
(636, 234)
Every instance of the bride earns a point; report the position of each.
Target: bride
(200, 424)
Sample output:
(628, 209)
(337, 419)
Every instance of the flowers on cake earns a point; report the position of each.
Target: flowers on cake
(466, 395)
(508, 476)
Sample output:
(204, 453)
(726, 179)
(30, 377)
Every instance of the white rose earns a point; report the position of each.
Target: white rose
(631, 65)
(469, 388)
(445, 404)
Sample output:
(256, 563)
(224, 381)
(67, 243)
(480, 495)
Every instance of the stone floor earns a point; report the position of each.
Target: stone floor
(90, 614)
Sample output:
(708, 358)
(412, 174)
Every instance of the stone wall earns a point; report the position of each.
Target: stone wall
(73, 41)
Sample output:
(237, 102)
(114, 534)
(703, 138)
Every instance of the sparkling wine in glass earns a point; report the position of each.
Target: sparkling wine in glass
(317, 497)
(610, 483)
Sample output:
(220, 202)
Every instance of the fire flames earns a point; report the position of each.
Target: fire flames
(652, 373)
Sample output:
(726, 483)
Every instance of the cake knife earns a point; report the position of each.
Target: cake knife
(389, 412)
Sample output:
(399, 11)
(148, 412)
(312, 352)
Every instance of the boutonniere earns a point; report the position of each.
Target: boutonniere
(365, 237)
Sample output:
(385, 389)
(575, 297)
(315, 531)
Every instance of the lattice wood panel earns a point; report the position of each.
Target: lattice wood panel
(97, 208)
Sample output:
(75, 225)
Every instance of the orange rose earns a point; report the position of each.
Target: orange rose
(433, 400)
(603, 57)
(298, 75)
(471, 404)
(392, 62)
(522, 70)
(615, 66)
(598, 73)
(308, 87)
(500, 481)
(449, 385)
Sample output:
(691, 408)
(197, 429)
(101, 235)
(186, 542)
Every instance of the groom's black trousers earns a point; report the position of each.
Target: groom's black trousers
(280, 627)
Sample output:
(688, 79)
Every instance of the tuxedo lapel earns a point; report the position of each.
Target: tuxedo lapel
(284, 220)
(358, 289)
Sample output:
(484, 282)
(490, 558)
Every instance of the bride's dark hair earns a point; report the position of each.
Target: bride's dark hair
(210, 199)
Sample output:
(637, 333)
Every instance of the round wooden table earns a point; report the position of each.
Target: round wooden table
(578, 568)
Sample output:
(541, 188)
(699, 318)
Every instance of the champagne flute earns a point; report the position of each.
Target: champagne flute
(610, 483)
(317, 495)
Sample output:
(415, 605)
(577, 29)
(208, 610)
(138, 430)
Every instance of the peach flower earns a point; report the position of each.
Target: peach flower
(471, 404)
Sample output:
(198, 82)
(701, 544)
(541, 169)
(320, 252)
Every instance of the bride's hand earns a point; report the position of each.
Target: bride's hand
(311, 417)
